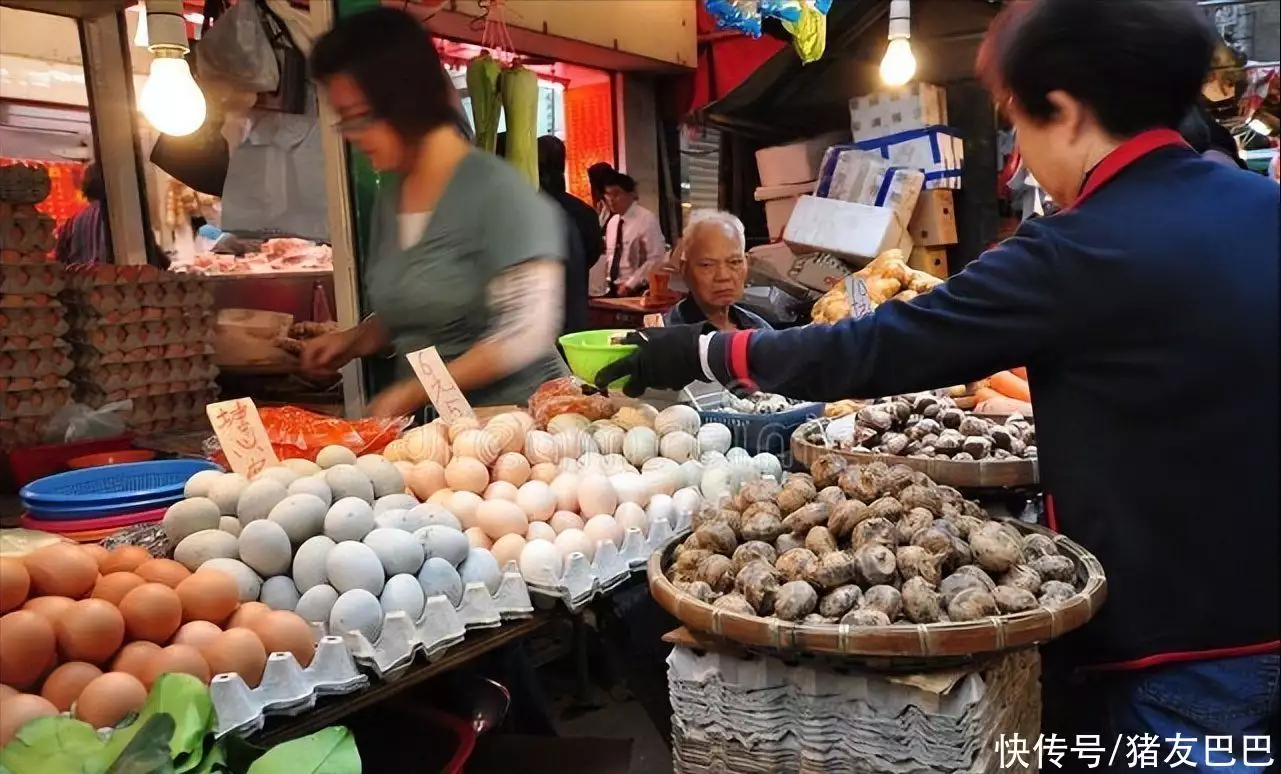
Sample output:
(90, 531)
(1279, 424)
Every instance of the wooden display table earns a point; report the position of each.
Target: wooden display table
(626, 312)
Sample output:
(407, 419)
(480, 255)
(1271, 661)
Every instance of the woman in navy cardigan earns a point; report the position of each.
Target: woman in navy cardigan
(1130, 308)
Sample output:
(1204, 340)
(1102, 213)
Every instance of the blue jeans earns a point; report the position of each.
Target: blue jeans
(1234, 698)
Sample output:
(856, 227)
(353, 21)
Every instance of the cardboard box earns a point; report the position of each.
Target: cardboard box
(779, 201)
(935, 150)
(933, 224)
(819, 272)
(931, 260)
(774, 260)
(796, 162)
(856, 233)
(852, 175)
(915, 106)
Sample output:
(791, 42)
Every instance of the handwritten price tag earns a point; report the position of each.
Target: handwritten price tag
(860, 302)
(440, 386)
(653, 321)
(242, 436)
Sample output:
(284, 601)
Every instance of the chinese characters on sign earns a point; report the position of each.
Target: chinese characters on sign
(440, 386)
(860, 302)
(241, 435)
(1143, 751)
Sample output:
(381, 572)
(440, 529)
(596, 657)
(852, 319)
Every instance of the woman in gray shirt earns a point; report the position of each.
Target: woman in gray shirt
(465, 255)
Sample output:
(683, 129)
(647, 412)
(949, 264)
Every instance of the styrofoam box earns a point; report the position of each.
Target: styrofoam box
(856, 233)
(935, 150)
(897, 110)
(779, 201)
(796, 162)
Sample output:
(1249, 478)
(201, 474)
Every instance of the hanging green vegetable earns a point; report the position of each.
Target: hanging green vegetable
(482, 87)
(519, 88)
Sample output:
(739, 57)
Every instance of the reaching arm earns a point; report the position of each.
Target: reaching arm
(1005, 309)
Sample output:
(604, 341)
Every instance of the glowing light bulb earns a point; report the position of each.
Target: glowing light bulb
(899, 65)
(171, 100)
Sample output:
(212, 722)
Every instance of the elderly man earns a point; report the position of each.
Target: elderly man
(712, 260)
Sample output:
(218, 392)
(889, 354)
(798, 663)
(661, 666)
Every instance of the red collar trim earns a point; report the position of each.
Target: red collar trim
(1126, 154)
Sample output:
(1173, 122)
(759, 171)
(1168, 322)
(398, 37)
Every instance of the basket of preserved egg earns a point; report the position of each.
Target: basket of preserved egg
(873, 560)
(760, 422)
(929, 433)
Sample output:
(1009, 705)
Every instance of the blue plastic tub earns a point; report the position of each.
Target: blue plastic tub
(759, 433)
(74, 513)
(111, 487)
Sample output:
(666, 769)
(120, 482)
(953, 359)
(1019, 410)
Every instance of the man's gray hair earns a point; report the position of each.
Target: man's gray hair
(700, 218)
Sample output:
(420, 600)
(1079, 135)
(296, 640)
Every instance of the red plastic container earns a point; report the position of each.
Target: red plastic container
(35, 462)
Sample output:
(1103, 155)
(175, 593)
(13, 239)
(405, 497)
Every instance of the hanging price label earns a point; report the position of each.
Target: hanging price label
(860, 302)
(449, 401)
(242, 436)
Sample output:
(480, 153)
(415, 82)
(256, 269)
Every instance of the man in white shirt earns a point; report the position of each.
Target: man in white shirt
(634, 244)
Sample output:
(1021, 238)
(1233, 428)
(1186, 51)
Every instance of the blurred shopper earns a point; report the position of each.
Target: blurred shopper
(464, 256)
(634, 244)
(585, 241)
(712, 259)
(83, 238)
(598, 175)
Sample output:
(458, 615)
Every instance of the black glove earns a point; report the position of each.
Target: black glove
(666, 358)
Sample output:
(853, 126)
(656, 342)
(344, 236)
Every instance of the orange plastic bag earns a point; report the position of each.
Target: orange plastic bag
(296, 433)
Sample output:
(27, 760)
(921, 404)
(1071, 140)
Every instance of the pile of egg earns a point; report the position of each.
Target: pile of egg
(89, 631)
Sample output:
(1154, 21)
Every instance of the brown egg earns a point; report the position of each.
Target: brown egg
(113, 587)
(96, 551)
(196, 634)
(176, 658)
(208, 595)
(61, 569)
(49, 608)
(108, 699)
(152, 612)
(246, 614)
(124, 559)
(63, 685)
(26, 648)
(282, 631)
(237, 650)
(90, 630)
(19, 710)
(15, 582)
(165, 571)
(135, 657)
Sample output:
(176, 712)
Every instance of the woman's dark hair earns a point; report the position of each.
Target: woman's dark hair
(391, 57)
(1136, 64)
(551, 163)
(91, 185)
(598, 175)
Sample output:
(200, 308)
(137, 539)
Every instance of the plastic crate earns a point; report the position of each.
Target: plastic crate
(759, 433)
(112, 488)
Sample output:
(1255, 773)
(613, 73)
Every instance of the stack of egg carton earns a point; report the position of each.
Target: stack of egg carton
(142, 335)
(746, 715)
(34, 358)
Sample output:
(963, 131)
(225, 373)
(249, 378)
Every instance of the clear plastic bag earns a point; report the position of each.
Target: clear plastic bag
(237, 52)
(78, 422)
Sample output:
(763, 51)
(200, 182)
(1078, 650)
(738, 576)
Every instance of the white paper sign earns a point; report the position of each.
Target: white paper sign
(449, 401)
(653, 321)
(860, 302)
(241, 435)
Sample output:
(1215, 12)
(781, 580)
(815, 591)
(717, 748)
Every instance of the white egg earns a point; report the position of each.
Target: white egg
(466, 474)
(463, 505)
(714, 436)
(631, 515)
(509, 431)
(500, 490)
(568, 465)
(545, 472)
(717, 484)
(738, 454)
(769, 465)
(596, 495)
(675, 419)
(661, 506)
(565, 487)
(679, 446)
(537, 500)
(565, 423)
(687, 501)
(512, 467)
(640, 444)
(540, 563)
(507, 548)
(591, 462)
(603, 527)
(576, 541)
(663, 480)
(563, 520)
(573, 443)
(711, 458)
(617, 463)
(541, 447)
(501, 517)
(609, 439)
(540, 530)
(693, 473)
(631, 488)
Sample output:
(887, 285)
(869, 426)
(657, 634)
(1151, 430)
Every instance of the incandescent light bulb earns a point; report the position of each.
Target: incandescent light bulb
(171, 100)
(898, 66)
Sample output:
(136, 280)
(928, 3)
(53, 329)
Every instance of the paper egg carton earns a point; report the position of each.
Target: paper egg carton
(584, 580)
(286, 688)
(440, 626)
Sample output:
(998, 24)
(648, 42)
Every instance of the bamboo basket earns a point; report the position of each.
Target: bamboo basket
(941, 640)
(980, 474)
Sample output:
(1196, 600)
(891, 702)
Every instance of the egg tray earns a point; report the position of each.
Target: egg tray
(612, 565)
(286, 688)
(440, 626)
